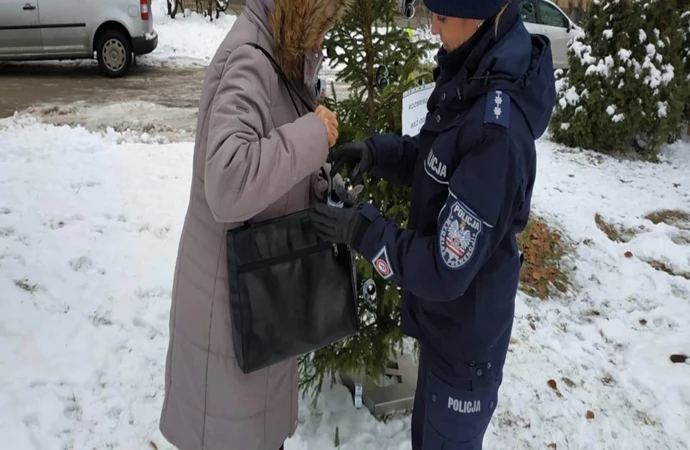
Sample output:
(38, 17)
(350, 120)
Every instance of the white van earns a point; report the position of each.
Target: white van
(115, 30)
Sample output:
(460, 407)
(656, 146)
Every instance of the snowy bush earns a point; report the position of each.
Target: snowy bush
(624, 88)
(685, 31)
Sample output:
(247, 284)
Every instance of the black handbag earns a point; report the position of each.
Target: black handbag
(290, 292)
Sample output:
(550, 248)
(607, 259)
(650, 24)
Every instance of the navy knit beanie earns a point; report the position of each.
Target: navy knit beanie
(465, 9)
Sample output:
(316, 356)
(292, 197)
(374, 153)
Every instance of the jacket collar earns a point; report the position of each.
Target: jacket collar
(450, 63)
(477, 66)
(492, 60)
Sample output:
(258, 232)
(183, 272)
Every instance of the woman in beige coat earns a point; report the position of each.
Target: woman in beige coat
(254, 158)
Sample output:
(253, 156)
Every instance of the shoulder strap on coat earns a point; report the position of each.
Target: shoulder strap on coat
(282, 77)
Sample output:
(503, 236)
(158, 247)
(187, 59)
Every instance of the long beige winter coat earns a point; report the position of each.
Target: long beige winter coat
(253, 158)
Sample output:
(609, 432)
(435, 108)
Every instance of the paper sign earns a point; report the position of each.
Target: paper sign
(358, 395)
(414, 108)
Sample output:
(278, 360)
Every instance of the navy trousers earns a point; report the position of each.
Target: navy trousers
(453, 406)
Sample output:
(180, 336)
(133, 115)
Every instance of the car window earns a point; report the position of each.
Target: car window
(528, 11)
(552, 16)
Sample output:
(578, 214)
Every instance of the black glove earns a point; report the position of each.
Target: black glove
(344, 225)
(358, 157)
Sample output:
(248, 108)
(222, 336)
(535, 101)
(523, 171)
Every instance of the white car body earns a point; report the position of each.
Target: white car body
(545, 17)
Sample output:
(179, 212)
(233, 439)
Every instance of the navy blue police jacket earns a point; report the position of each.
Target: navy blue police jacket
(471, 169)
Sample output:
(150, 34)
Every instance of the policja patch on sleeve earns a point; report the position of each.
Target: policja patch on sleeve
(459, 234)
(497, 108)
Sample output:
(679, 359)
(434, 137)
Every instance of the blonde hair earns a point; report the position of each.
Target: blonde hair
(498, 17)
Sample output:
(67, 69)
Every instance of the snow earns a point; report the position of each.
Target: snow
(655, 76)
(570, 97)
(584, 52)
(663, 109)
(602, 67)
(89, 227)
(624, 54)
(186, 40)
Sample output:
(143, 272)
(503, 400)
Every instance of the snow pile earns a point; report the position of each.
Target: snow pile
(89, 228)
(186, 40)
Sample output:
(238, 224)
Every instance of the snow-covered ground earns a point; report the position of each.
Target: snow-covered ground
(89, 227)
(185, 40)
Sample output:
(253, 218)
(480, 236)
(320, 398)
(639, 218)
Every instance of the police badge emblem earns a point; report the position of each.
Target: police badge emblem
(382, 264)
(458, 237)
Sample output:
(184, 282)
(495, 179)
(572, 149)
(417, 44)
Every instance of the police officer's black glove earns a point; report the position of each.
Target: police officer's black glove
(358, 157)
(344, 225)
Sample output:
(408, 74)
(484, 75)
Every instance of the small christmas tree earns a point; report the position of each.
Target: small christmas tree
(624, 87)
(380, 62)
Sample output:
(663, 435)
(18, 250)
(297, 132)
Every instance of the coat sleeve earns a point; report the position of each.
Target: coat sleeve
(485, 191)
(245, 170)
(395, 157)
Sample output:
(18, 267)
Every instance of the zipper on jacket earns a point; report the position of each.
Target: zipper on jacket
(318, 248)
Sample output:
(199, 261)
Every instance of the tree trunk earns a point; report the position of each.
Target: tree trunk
(367, 23)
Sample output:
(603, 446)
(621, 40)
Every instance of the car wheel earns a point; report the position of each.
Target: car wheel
(114, 53)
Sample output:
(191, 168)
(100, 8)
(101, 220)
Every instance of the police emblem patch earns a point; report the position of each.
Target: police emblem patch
(459, 234)
(382, 264)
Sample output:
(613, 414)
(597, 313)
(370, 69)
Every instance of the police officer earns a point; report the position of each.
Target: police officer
(471, 170)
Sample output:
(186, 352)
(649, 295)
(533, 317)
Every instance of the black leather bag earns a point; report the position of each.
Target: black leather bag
(290, 292)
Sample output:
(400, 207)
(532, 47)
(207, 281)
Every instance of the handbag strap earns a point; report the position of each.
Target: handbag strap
(290, 90)
(328, 179)
(284, 78)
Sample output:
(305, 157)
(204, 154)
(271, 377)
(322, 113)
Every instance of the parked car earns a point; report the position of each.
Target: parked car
(545, 17)
(115, 30)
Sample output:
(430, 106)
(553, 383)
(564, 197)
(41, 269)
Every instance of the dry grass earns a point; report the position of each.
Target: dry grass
(542, 272)
(673, 217)
(616, 232)
(26, 285)
(662, 267)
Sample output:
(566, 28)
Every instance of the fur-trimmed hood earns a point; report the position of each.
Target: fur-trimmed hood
(296, 26)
